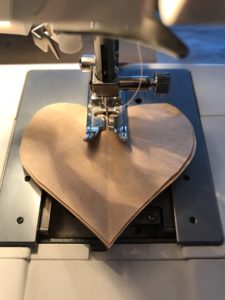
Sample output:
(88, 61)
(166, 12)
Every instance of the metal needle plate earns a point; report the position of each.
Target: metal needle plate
(195, 204)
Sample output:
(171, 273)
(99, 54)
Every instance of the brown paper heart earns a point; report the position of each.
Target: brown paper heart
(106, 183)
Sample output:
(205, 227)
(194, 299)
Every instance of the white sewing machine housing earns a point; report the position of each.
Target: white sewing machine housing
(56, 267)
(127, 271)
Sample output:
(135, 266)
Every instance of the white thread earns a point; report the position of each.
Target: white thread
(140, 80)
(141, 75)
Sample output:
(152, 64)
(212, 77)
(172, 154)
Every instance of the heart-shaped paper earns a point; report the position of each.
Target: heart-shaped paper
(106, 183)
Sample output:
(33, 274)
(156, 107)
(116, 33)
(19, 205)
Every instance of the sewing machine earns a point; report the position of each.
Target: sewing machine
(185, 214)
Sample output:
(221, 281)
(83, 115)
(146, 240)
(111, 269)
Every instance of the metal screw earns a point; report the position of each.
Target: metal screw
(193, 220)
(186, 177)
(152, 216)
(20, 220)
(27, 178)
(138, 100)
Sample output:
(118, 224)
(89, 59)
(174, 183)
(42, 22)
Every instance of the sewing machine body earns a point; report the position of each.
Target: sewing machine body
(177, 261)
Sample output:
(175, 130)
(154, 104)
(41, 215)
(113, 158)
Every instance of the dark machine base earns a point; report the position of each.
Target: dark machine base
(186, 212)
(153, 225)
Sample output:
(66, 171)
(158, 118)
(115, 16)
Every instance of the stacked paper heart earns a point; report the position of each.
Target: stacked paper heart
(106, 183)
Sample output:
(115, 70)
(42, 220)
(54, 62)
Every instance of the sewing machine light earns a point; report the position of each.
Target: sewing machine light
(169, 10)
(14, 27)
(5, 24)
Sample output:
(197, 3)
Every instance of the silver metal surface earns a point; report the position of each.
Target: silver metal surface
(106, 108)
(106, 113)
(107, 105)
(95, 122)
(42, 37)
(20, 199)
(195, 204)
(45, 215)
(86, 62)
